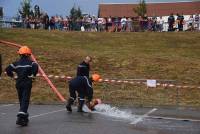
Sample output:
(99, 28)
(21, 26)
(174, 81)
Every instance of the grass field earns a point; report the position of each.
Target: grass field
(148, 55)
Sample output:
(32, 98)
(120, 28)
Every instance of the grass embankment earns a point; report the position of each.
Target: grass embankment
(172, 56)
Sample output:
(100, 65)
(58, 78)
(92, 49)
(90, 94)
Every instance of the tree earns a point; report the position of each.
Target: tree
(75, 13)
(75, 16)
(141, 10)
(79, 13)
(25, 10)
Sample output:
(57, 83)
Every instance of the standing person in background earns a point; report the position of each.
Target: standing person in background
(109, 24)
(103, 24)
(93, 24)
(56, 20)
(154, 26)
(123, 24)
(191, 23)
(46, 21)
(130, 24)
(197, 22)
(171, 21)
(26, 71)
(160, 22)
(180, 21)
(116, 24)
(145, 22)
(52, 23)
(100, 24)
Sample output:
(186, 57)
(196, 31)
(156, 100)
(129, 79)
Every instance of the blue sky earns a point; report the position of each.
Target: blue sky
(62, 7)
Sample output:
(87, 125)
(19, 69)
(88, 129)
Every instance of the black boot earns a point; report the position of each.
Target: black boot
(22, 119)
(80, 106)
(69, 105)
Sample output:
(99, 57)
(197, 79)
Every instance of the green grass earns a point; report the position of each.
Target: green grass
(172, 56)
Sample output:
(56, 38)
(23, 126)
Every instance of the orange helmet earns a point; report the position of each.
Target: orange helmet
(24, 50)
(95, 77)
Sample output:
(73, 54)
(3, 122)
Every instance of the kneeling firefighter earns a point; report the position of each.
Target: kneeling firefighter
(83, 86)
(26, 71)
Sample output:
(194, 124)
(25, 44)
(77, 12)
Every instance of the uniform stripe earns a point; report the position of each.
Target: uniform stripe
(81, 99)
(34, 63)
(81, 66)
(72, 98)
(23, 66)
(22, 113)
(88, 82)
(12, 66)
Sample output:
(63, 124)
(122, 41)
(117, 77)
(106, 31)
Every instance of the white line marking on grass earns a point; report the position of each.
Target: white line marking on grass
(35, 116)
(143, 116)
(8, 105)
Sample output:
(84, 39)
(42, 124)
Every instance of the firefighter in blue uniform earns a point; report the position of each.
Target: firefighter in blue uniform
(26, 71)
(83, 86)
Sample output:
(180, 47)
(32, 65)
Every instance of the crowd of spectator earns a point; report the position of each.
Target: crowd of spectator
(114, 24)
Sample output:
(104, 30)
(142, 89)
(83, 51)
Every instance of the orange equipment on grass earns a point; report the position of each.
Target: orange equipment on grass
(24, 50)
(96, 77)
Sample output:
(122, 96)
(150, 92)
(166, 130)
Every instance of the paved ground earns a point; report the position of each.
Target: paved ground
(54, 119)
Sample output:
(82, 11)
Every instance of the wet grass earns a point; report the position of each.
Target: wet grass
(171, 56)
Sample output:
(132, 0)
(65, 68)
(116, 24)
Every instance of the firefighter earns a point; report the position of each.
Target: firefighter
(26, 70)
(83, 86)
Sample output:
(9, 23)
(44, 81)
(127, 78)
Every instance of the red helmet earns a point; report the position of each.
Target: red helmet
(24, 50)
(95, 77)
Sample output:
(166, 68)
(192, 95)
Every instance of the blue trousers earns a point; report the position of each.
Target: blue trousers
(24, 93)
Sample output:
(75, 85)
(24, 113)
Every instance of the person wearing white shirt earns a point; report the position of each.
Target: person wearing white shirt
(160, 22)
(100, 24)
(191, 23)
(123, 24)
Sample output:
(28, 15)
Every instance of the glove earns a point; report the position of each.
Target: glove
(91, 80)
(32, 77)
(14, 77)
(90, 105)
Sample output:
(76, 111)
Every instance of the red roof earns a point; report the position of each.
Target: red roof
(153, 9)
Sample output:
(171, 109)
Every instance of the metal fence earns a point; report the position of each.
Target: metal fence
(10, 22)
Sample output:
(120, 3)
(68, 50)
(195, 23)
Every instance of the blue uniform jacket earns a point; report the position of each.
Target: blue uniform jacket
(83, 69)
(24, 68)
